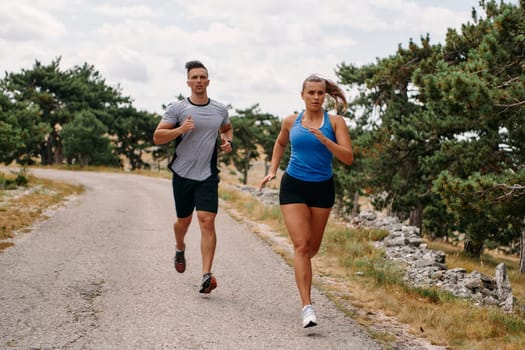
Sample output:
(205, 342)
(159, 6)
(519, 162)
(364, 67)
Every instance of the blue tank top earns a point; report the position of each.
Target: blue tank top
(310, 159)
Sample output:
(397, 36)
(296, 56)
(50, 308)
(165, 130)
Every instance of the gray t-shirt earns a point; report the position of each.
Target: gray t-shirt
(197, 150)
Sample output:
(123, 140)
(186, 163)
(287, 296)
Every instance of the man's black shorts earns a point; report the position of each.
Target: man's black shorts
(313, 194)
(191, 194)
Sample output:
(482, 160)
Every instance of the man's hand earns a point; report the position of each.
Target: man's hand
(226, 145)
(187, 125)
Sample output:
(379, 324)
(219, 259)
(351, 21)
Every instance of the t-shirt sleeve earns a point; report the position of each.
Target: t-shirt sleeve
(172, 114)
(225, 117)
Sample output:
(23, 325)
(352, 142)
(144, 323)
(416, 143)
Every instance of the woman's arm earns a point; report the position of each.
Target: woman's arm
(342, 148)
(278, 149)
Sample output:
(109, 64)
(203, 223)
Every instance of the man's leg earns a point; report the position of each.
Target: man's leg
(183, 190)
(207, 203)
(180, 227)
(208, 238)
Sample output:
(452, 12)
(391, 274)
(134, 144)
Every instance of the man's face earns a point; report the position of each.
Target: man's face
(198, 80)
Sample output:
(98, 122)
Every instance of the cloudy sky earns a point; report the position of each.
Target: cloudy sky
(257, 51)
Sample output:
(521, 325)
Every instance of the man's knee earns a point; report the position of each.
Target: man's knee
(206, 220)
(182, 223)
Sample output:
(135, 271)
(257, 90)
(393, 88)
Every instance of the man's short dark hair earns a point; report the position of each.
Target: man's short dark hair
(194, 64)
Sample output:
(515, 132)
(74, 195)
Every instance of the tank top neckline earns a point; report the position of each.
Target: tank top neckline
(301, 115)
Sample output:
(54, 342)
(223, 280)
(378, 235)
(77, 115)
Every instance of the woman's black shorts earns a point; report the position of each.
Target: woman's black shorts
(190, 194)
(313, 194)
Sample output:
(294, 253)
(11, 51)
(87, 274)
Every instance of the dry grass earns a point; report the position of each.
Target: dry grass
(434, 314)
(162, 173)
(245, 204)
(22, 207)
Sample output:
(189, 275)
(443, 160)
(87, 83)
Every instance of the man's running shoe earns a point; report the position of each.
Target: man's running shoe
(309, 319)
(180, 261)
(209, 283)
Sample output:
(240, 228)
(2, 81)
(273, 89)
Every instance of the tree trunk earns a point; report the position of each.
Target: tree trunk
(473, 248)
(58, 155)
(46, 153)
(245, 176)
(355, 205)
(245, 169)
(416, 218)
(266, 166)
(55, 143)
(522, 248)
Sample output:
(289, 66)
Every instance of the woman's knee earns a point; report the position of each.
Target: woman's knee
(302, 248)
(315, 242)
(306, 248)
(313, 251)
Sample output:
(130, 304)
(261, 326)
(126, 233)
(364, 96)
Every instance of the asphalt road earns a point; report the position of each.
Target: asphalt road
(98, 274)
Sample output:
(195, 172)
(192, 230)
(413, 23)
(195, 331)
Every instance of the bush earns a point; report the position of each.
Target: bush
(10, 183)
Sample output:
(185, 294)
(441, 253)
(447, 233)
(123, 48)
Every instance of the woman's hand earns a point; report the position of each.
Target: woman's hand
(320, 136)
(265, 180)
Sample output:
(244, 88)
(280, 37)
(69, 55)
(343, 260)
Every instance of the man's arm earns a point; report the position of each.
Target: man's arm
(226, 138)
(227, 132)
(166, 131)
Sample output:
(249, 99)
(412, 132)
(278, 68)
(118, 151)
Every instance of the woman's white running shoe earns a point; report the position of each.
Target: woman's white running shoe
(309, 319)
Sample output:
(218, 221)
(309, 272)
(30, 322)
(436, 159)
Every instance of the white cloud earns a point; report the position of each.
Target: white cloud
(47, 5)
(257, 51)
(122, 64)
(20, 22)
(133, 11)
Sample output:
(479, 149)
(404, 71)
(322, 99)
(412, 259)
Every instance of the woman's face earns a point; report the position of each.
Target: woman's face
(313, 95)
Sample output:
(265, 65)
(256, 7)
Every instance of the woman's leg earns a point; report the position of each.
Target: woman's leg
(318, 219)
(306, 228)
(297, 221)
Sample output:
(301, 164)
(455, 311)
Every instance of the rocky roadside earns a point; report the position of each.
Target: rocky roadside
(426, 267)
